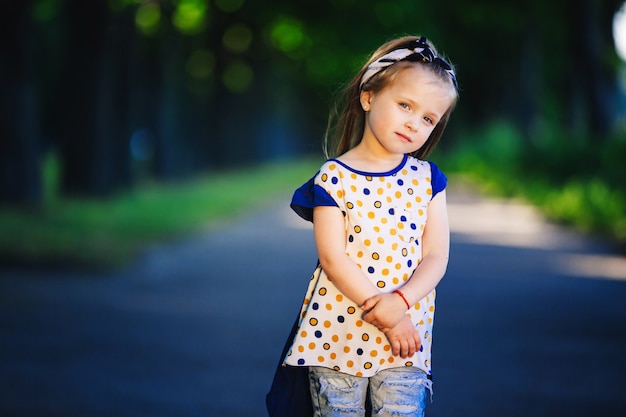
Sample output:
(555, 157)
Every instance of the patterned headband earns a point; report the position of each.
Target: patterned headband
(415, 51)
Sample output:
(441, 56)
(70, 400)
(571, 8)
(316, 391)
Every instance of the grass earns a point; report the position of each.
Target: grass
(110, 232)
(583, 188)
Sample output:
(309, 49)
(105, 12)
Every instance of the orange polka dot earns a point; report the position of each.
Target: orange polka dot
(339, 297)
(367, 365)
(333, 356)
(359, 374)
(303, 333)
(346, 349)
(335, 338)
(385, 272)
(323, 291)
(367, 242)
(379, 340)
(381, 240)
(371, 215)
(327, 324)
(300, 348)
(329, 307)
(374, 353)
(313, 321)
(320, 359)
(359, 323)
(381, 284)
(311, 345)
(349, 364)
(349, 336)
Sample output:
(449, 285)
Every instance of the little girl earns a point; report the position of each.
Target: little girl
(381, 231)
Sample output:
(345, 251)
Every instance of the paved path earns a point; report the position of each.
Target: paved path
(531, 320)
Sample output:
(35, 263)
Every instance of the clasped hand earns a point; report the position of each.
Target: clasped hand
(387, 313)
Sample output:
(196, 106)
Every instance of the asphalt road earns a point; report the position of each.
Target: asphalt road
(531, 320)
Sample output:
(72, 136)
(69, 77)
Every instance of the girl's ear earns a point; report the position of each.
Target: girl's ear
(365, 98)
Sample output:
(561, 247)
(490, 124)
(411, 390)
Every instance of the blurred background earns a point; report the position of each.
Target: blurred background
(108, 98)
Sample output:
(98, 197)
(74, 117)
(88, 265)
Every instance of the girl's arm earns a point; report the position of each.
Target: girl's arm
(386, 310)
(330, 240)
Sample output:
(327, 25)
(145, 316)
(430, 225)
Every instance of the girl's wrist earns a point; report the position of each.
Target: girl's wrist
(408, 306)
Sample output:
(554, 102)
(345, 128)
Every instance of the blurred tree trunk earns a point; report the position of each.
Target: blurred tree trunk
(93, 139)
(592, 103)
(20, 177)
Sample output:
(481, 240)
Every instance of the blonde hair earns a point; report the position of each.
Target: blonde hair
(346, 121)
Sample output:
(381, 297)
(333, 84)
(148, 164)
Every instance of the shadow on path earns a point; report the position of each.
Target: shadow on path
(530, 320)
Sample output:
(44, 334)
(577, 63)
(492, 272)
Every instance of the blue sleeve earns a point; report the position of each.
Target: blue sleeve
(438, 179)
(308, 196)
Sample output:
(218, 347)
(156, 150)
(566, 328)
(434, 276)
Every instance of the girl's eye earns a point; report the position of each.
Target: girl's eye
(429, 120)
(404, 106)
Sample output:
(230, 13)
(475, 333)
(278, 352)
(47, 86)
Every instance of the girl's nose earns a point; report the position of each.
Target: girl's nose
(412, 125)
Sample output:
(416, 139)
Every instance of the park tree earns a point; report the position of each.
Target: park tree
(122, 90)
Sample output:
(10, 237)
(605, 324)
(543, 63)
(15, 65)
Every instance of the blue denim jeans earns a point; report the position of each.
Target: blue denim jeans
(393, 392)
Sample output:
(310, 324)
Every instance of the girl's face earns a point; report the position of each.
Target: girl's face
(400, 118)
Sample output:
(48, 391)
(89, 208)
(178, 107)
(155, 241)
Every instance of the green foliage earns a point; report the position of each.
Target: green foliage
(110, 232)
(571, 181)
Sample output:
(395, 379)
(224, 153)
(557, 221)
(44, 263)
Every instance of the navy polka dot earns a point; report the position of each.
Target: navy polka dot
(366, 191)
(391, 211)
(403, 218)
(370, 269)
(410, 263)
(413, 226)
(359, 351)
(318, 334)
(335, 180)
(340, 319)
(315, 306)
(400, 182)
(300, 361)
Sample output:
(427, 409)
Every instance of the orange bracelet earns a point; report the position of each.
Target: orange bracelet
(403, 298)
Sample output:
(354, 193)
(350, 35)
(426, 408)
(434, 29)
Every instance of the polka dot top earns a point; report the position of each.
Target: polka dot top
(385, 215)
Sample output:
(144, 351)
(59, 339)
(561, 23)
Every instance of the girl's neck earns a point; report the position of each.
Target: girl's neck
(362, 158)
